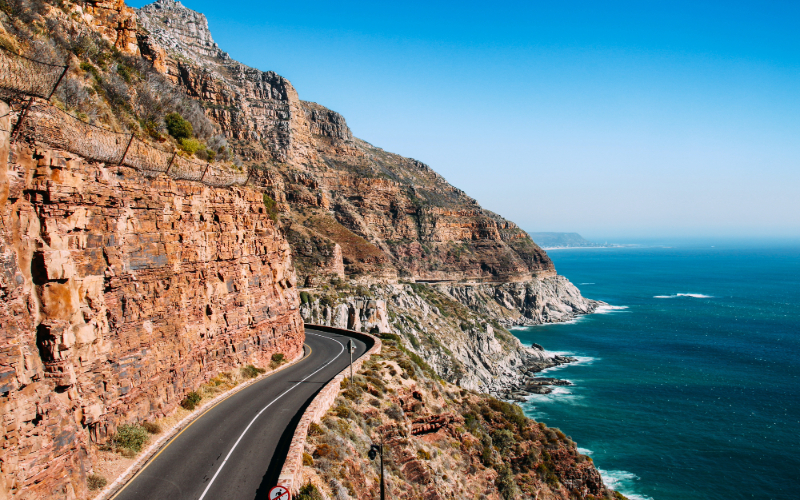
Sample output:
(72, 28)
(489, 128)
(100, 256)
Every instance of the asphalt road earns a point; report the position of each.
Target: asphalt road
(237, 448)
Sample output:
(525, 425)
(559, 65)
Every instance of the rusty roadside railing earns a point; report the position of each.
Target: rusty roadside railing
(42, 122)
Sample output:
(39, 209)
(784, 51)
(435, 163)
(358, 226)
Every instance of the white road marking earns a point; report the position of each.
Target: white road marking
(270, 404)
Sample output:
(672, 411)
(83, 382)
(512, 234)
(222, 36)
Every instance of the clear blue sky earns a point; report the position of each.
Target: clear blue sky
(613, 119)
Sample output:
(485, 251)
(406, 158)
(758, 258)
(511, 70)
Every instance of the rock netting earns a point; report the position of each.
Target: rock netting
(118, 295)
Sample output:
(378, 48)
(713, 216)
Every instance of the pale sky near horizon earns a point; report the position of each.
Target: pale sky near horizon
(611, 119)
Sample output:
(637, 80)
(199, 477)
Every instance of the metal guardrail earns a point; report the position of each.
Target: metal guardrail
(45, 123)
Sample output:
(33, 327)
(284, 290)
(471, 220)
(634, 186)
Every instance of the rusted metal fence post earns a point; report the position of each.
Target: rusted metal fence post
(58, 82)
(174, 154)
(205, 171)
(126, 149)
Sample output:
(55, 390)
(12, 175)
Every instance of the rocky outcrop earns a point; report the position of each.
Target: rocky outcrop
(120, 294)
(551, 299)
(466, 347)
(392, 216)
(113, 20)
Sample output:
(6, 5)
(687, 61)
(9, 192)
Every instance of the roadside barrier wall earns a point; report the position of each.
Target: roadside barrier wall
(291, 476)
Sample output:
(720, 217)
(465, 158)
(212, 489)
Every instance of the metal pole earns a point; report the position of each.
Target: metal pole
(58, 82)
(383, 488)
(126, 150)
(204, 172)
(350, 348)
(22, 116)
(166, 172)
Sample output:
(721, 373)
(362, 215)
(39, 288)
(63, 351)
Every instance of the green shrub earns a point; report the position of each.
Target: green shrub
(505, 483)
(305, 297)
(96, 482)
(191, 400)
(308, 460)
(503, 439)
(251, 371)
(130, 437)
(277, 360)
(87, 67)
(178, 127)
(272, 207)
(309, 492)
(191, 146)
(125, 72)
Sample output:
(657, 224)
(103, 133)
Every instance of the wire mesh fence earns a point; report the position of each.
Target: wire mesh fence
(150, 160)
(47, 124)
(26, 76)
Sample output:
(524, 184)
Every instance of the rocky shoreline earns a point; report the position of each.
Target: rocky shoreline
(530, 384)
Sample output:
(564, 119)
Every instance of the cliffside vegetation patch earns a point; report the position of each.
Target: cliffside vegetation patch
(440, 441)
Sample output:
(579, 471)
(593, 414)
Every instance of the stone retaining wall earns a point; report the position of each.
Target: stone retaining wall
(291, 475)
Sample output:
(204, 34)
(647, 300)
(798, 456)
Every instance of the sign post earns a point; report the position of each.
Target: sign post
(351, 347)
(279, 493)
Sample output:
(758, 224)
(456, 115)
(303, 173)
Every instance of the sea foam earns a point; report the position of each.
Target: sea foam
(609, 309)
(693, 295)
(622, 481)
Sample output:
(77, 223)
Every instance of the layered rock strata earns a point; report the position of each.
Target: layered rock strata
(391, 216)
(120, 294)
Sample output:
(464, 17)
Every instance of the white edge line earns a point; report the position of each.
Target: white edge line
(270, 404)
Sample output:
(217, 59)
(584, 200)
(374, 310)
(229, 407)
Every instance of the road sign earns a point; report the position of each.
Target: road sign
(279, 493)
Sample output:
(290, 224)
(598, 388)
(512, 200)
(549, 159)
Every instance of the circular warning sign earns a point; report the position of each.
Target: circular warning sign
(279, 493)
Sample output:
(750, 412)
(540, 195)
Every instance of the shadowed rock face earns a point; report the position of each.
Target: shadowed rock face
(120, 294)
(392, 216)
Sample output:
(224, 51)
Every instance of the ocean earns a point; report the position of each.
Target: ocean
(689, 386)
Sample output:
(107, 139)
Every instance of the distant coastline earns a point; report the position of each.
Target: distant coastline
(567, 241)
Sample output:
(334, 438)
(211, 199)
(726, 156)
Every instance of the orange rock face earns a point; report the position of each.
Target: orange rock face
(118, 295)
(115, 21)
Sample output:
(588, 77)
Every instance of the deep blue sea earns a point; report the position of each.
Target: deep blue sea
(690, 387)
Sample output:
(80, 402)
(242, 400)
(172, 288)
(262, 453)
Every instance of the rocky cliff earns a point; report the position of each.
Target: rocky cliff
(120, 294)
(390, 216)
(352, 211)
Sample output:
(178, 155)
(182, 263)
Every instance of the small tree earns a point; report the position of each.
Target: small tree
(272, 207)
(178, 127)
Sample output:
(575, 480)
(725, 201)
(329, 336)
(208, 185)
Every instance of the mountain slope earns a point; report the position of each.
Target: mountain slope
(328, 184)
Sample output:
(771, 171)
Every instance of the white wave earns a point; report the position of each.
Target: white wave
(622, 481)
(693, 295)
(584, 451)
(609, 309)
(579, 360)
(560, 395)
(586, 283)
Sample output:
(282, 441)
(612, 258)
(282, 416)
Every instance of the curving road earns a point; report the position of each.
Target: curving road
(236, 449)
